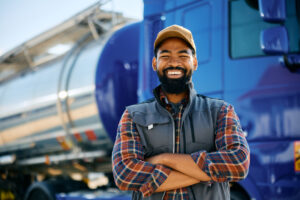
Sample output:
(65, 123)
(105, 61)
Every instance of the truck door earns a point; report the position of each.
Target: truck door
(204, 19)
(266, 95)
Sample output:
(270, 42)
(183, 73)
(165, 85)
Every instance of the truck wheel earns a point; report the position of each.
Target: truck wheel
(41, 191)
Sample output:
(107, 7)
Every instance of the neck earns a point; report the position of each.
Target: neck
(176, 98)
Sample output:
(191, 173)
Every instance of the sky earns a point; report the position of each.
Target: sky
(21, 20)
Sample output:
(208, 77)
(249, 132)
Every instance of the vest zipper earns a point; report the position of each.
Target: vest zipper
(193, 193)
(184, 139)
(163, 195)
(192, 128)
(173, 125)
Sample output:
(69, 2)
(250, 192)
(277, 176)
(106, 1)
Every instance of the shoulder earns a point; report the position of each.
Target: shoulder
(220, 106)
(206, 102)
(142, 107)
(146, 113)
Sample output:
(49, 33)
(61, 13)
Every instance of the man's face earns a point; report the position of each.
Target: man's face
(174, 65)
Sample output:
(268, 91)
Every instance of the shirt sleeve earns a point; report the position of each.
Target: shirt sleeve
(130, 170)
(231, 160)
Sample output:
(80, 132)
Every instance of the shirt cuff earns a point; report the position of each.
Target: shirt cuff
(200, 158)
(159, 175)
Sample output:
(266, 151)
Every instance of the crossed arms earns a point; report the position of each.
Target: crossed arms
(171, 171)
(185, 171)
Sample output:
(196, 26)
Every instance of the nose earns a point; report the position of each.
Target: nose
(174, 62)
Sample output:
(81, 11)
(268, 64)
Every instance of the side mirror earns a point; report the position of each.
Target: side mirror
(272, 10)
(274, 40)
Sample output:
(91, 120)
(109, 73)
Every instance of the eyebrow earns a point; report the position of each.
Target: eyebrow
(165, 51)
(181, 51)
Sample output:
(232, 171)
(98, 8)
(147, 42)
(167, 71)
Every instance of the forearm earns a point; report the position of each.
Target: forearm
(176, 180)
(134, 174)
(182, 163)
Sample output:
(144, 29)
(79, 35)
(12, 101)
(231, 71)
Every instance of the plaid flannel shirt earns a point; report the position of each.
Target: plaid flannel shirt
(131, 172)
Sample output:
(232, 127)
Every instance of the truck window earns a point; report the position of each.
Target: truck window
(245, 25)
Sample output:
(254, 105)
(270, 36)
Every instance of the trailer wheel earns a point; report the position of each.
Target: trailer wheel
(47, 190)
(39, 194)
(41, 191)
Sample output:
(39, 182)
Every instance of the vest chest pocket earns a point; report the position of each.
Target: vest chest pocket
(156, 133)
(199, 132)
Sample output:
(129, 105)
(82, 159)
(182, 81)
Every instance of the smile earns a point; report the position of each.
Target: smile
(174, 73)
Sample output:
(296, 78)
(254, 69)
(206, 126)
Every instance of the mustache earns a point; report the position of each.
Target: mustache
(174, 68)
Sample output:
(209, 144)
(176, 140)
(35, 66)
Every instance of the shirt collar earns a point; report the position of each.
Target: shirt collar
(164, 100)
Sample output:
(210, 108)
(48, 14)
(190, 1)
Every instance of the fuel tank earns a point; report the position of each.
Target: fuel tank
(74, 102)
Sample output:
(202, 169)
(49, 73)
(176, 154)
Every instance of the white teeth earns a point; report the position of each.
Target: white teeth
(174, 72)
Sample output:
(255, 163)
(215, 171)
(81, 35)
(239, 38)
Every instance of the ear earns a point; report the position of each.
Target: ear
(154, 64)
(195, 62)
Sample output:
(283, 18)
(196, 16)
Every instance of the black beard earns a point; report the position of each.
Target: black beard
(174, 86)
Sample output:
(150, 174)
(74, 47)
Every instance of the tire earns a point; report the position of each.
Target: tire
(47, 190)
(38, 194)
(40, 191)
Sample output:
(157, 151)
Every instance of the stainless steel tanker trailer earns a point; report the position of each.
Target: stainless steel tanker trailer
(58, 122)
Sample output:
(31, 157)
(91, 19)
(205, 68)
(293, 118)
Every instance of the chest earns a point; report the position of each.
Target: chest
(195, 131)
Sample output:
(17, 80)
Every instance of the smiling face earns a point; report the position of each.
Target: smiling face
(174, 64)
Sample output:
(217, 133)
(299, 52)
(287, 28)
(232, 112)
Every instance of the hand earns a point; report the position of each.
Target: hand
(182, 163)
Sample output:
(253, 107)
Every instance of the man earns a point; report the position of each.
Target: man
(179, 145)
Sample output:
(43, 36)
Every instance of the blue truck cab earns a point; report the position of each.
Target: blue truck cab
(248, 55)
